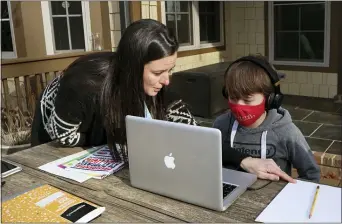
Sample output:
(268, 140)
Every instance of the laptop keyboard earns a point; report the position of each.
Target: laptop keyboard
(227, 189)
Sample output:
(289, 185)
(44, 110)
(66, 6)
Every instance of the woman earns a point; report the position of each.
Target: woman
(87, 104)
(93, 95)
(146, 55)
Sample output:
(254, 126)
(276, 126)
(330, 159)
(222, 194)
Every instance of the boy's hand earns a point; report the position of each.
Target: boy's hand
(265, 169)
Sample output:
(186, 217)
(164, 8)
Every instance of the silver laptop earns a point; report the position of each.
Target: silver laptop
(183, 162)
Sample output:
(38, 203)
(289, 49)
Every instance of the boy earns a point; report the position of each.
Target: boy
(256, 126)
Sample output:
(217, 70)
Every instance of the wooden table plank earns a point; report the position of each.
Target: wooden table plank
(113, 214)
(116, 210)
(117, 187)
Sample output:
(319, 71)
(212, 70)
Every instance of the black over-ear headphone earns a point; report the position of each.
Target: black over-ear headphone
(274, 99)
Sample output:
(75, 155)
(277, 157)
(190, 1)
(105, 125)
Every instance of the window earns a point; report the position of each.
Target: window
(299, 33)
(179, 21)
(7, 35)
(209, 20)
(195, 24)
(66, 26)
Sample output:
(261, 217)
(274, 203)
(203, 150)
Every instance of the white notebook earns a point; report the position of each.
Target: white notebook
(294, 202)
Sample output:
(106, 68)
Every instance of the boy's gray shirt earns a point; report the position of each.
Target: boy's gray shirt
(286, 144)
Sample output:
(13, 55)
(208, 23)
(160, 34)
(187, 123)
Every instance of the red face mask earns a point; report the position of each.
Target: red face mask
(246, 115)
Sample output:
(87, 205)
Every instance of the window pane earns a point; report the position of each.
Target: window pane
(169, 6)
(209, 6)
(77, 32)
(213, 28)
(209, 29)
(171, 24)
(75, 7)
(6, 37)
(286, 17)
(184, 29)
(286, 46)
(58, 7)
(60, 29)
(202, 7)
(178, 21)
(312, 17)
(182, 6)
(312, 46)
(210, 22)
(4, 10)
(203, 28)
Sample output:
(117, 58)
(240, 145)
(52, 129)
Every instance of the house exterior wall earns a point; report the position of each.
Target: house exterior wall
(149, 9)
(28, 23)
(29, 28)
(100, 22)
(29, 34)
(244, 24)
(246, 28)
(18, 29)
(115, 25)
(247, 33)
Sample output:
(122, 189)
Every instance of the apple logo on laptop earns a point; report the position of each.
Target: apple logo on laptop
(169, 161)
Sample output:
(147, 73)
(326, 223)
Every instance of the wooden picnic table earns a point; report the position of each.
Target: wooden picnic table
(125, 203)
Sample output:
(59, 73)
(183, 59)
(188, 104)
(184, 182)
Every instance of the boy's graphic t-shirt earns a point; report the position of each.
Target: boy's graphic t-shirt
(284, 143)
(263, 143)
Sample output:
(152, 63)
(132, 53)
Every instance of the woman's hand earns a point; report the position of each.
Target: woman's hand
(265, 169)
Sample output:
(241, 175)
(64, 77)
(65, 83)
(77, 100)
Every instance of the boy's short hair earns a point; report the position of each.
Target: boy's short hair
(245, 78)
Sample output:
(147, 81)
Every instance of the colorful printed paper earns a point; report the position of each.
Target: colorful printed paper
(99, 164)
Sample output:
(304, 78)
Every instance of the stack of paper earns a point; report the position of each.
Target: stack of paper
(294, 202)
(96, 163)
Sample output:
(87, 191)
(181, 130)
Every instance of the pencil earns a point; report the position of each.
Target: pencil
(314, 202)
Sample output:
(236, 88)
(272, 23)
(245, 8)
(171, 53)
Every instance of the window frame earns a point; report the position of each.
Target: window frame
(10, 54)
(49, 33)
(196, 29)
(327, 31)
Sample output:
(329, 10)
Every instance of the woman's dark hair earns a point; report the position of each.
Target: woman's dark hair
(81, 83)
(123, 93)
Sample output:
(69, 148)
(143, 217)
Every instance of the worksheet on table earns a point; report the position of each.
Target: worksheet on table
(293, 204)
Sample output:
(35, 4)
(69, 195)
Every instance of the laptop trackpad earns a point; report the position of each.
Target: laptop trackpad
(237, 177)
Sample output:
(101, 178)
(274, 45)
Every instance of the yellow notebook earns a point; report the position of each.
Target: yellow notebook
(49, 204)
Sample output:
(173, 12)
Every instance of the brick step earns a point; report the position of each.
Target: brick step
(328, 159)
(329, 175)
